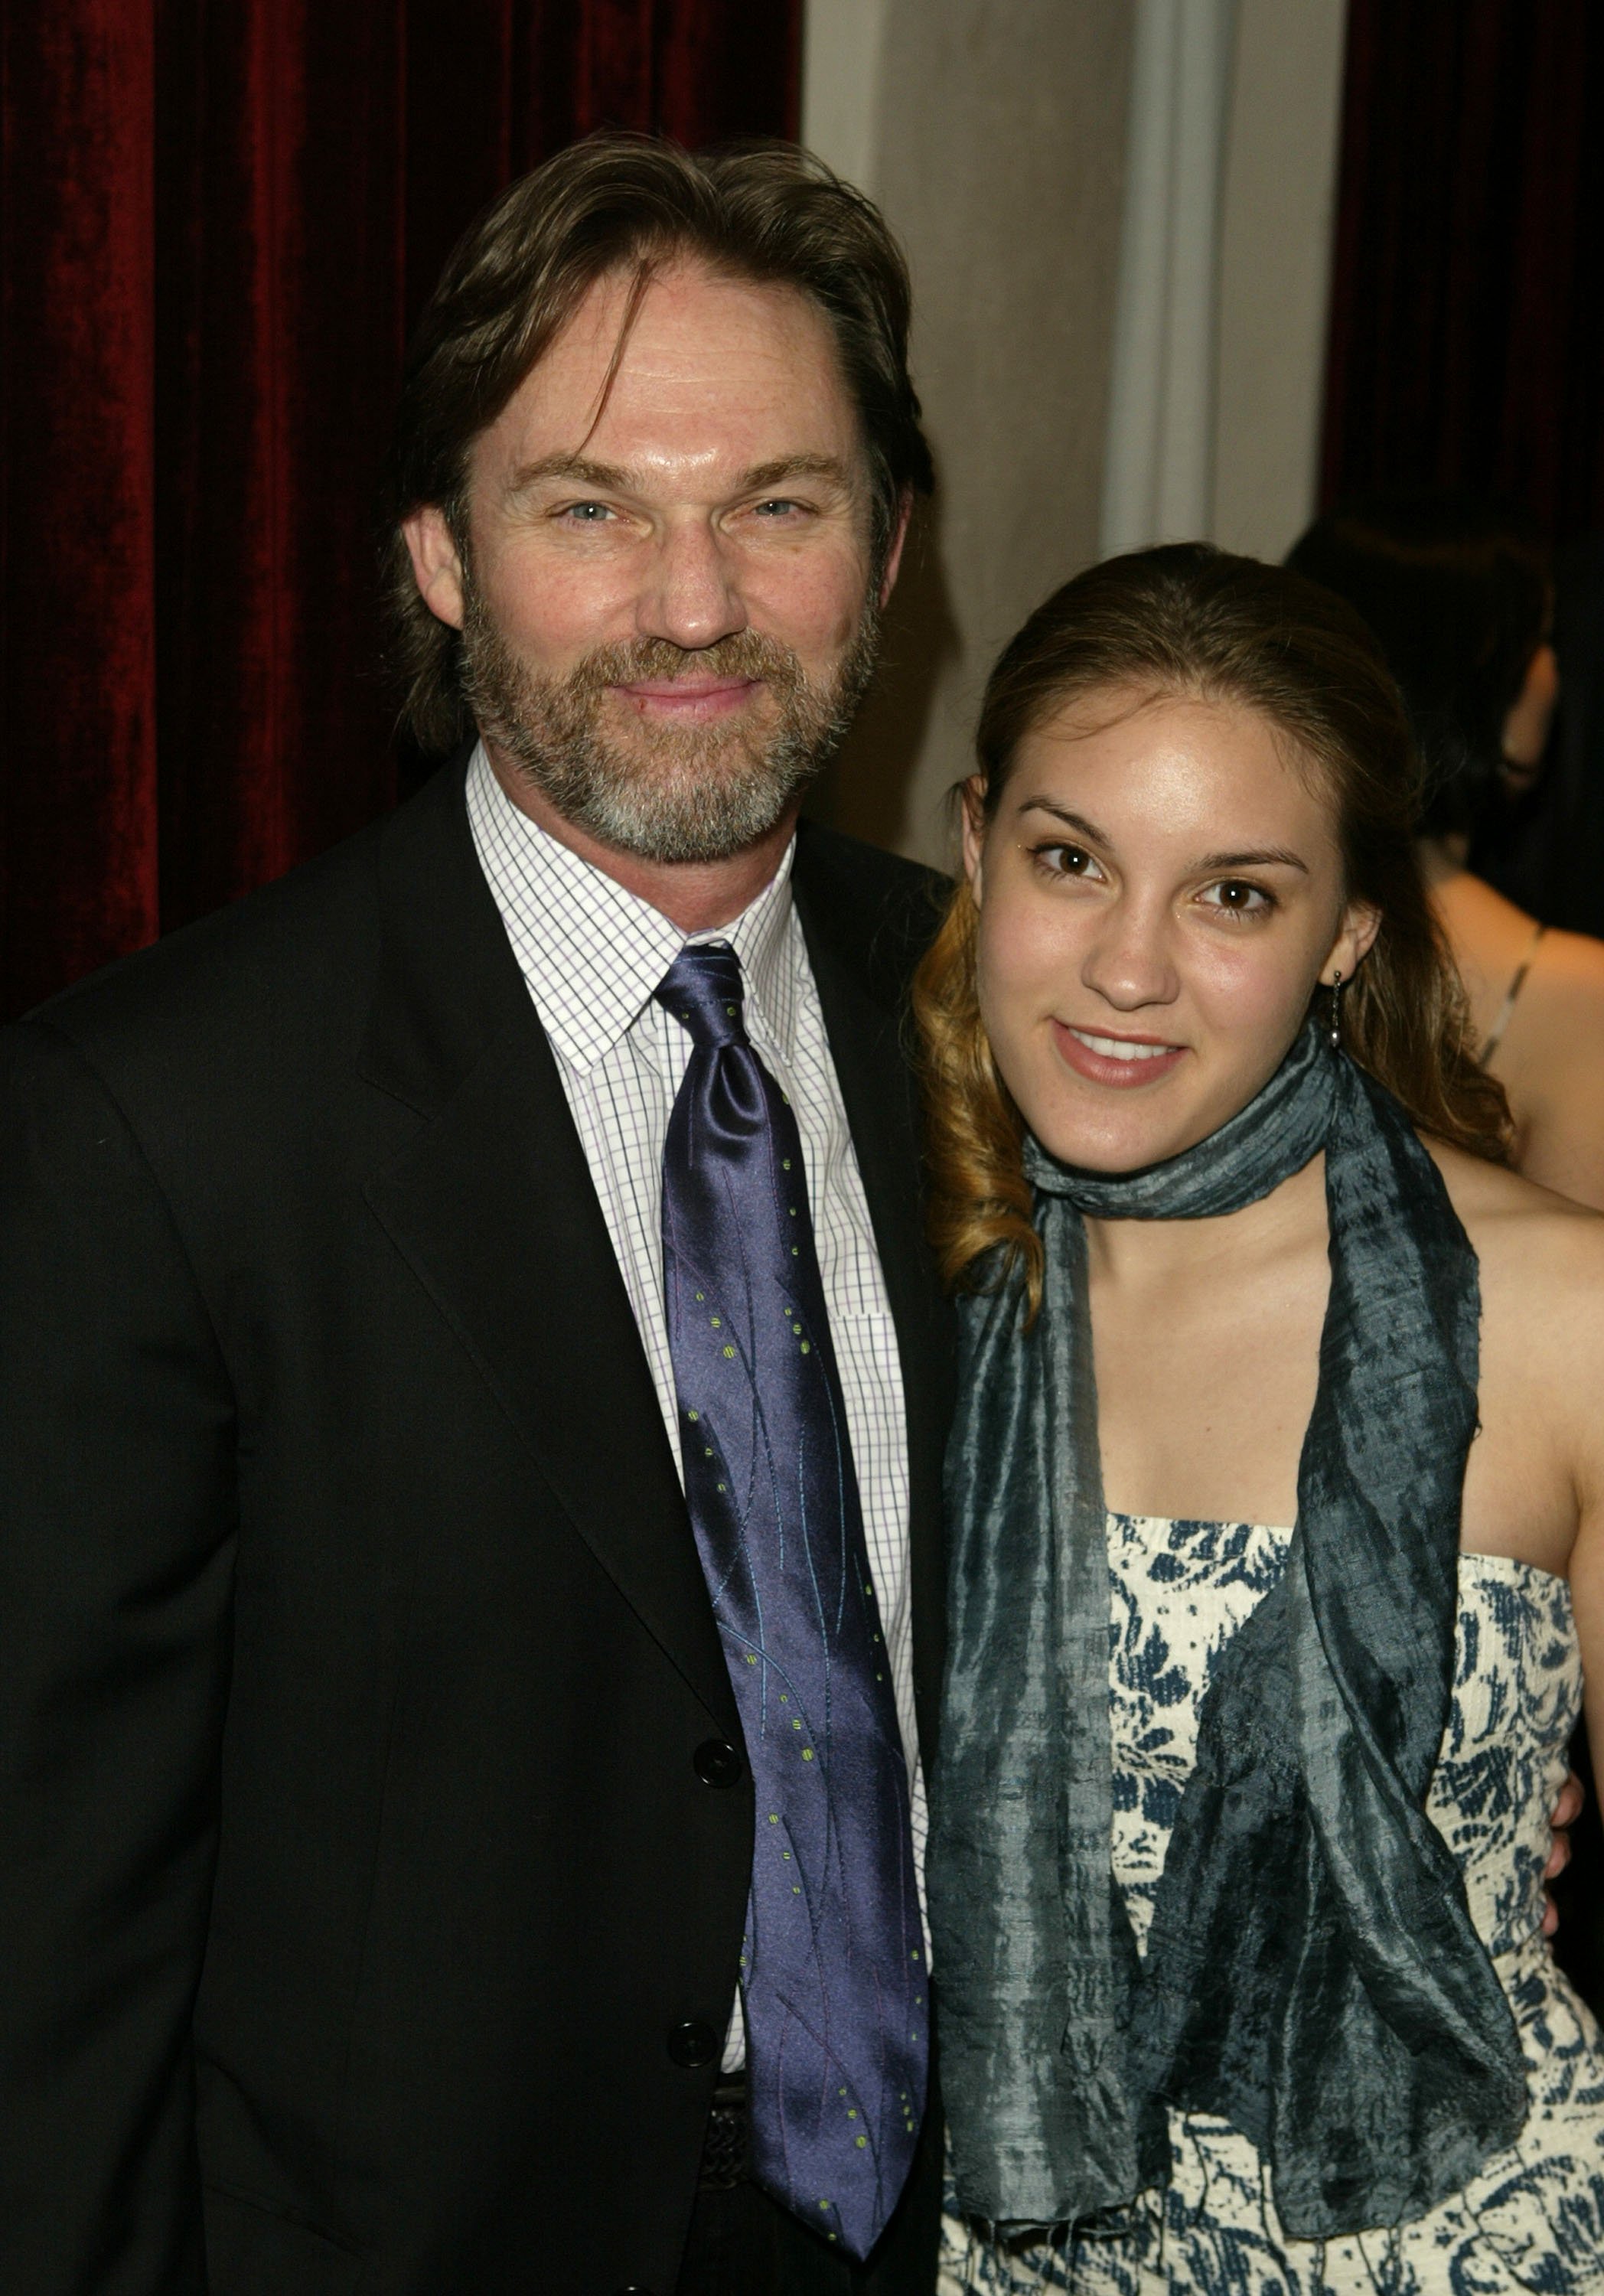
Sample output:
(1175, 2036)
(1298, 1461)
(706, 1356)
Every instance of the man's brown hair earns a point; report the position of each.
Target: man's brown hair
(768, 212)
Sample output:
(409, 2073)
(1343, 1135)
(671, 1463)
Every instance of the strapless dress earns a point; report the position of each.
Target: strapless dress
(1533, 2220)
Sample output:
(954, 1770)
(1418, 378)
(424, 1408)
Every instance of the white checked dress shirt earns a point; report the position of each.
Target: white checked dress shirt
(592, 954)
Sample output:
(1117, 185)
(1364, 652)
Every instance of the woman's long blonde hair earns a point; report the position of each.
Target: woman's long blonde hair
(1186, 620)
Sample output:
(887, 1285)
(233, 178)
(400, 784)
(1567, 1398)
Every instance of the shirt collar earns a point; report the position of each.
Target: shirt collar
(592, 953)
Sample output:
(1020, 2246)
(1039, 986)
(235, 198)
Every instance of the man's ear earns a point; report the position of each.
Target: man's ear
(899, 535)
(437, 566)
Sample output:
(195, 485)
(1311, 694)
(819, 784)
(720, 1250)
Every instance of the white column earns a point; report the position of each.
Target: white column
(1280, 205)
(1158, 473)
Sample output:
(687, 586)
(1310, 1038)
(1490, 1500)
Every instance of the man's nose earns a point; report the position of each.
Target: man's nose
(690, 596)
(1130, 963)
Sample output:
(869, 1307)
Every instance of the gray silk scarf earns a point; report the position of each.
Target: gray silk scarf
(1312, 1973)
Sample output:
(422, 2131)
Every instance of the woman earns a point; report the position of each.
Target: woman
(1269, 1360)
(1458, 595)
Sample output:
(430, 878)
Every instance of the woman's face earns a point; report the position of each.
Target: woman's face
(1159, 892)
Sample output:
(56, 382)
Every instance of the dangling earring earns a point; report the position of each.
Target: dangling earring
(1336, 1018)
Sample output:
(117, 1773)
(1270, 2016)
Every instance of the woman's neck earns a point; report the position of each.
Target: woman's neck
(1135, 1255)
(1442, 859)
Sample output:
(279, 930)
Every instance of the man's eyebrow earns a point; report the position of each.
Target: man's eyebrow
(794, 467)
(609, 478)
(579, 468)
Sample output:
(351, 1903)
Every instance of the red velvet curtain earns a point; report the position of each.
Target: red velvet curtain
(218, 220)
(1467, 343)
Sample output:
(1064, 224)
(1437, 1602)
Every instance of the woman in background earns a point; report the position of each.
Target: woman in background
(1458, 596)
(1276, 1497)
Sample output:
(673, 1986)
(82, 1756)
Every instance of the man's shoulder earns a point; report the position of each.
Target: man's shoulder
(288, 971)
(296, 940)
(881, 910)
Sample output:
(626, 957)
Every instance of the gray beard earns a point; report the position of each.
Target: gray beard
(675, 793)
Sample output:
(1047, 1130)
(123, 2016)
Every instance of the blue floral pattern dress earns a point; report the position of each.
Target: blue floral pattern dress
(1533, 2220)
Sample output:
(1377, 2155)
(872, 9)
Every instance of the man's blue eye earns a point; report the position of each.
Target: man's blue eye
(590, 513)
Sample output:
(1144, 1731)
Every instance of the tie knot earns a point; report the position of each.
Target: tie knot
(704, 991)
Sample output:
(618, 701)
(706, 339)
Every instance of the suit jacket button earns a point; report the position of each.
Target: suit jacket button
(717, 1764)
(692, 2044)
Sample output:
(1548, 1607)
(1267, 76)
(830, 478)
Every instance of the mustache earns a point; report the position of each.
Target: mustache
(744, 653)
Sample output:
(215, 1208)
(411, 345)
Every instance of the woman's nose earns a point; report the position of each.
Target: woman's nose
(1129, 964)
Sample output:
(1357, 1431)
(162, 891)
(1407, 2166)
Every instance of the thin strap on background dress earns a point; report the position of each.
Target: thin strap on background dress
(1495, 1037)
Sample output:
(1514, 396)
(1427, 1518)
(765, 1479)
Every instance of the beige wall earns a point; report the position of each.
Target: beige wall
(992, 132)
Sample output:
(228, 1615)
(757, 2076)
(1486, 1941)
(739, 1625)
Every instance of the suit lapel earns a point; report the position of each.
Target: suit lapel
(866, 1031)
(494, 1207)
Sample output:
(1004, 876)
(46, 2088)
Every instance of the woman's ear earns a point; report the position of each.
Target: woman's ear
(1355, 938)
(971, 798)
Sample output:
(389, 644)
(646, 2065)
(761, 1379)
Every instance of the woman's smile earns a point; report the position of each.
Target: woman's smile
(1120, 1060)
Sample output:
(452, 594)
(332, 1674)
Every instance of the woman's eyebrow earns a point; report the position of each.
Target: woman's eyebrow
(1264, 856)
(1076, 820)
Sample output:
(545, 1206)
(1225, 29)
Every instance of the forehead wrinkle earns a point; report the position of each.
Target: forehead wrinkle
(586, 472)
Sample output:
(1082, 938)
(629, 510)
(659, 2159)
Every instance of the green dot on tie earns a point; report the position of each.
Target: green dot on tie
(863, 2140)
(796, 1251)
(807, 1753)
(731, 1352)
(693, 1416)
(795, 1726)
(785, 1163)
(806, 1349)
(717, 1322)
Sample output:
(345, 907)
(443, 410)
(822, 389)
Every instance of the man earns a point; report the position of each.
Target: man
(458, 1826)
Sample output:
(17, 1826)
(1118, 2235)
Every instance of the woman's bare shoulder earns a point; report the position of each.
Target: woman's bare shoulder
(1539, 1253)
(1566, 979)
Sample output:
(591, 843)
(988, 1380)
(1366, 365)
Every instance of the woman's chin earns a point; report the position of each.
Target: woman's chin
(1124, 1131)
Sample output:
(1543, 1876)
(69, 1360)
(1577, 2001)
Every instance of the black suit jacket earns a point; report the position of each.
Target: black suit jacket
(355, 1868)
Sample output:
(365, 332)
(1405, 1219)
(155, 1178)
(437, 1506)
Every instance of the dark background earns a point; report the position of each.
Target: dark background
(218, 219)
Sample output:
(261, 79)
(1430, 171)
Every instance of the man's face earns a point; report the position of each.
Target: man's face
(666, 598)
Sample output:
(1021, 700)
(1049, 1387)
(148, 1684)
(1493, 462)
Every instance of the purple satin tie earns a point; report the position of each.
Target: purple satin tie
(833, 1963)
